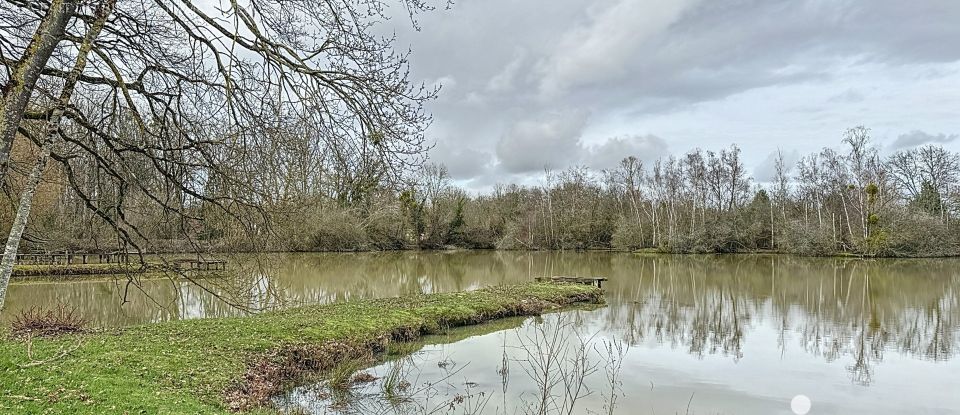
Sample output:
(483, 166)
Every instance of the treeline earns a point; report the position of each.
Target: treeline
(853, 200)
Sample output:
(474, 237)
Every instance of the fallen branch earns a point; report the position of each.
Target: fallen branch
(59, 355)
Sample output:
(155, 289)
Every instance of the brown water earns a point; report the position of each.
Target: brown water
(704, 334)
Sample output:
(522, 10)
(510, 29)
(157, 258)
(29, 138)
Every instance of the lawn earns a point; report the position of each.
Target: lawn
(218, 364)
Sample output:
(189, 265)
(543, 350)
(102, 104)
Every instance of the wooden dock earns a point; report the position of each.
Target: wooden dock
(75, 262)
(200, 264)
(597, 281)
(70, 258)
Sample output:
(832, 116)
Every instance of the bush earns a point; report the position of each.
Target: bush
(813, 241)
(512, 238)
(386, 230)
(700, 242)
(338, 231)
(627, 235)
(36, 322)
(919, 234)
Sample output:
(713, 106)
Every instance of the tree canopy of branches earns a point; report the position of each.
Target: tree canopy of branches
(170, 106)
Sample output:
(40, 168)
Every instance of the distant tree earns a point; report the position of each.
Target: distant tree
(912, 170)
(455, 229)
(414, 209)
(757, 221)
(928, 200)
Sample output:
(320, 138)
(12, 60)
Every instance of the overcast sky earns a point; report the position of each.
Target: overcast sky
(529, 84)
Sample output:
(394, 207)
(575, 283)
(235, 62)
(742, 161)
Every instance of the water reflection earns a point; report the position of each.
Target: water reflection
(719, 326)
(838, 307)
(547, 365)
(537, 369)
(705, 304)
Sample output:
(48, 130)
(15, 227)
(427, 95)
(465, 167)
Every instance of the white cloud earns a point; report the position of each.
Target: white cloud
(506, 79)
(849, 96)
(601, 48)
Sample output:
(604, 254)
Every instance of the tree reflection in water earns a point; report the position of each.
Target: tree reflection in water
(838, 309)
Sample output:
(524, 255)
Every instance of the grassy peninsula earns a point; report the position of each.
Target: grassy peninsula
(224, 365)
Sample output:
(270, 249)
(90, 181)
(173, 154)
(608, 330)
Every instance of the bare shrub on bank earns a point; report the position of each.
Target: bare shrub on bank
(39, 322)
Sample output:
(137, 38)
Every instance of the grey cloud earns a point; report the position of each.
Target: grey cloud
(461, 162)
(646, 58)
(507, 77)
(848, 96)
(609, 154)
(673, 48)
(605, 47)
(689, 51)
(917, 137)
(551, 141)
(766, 171)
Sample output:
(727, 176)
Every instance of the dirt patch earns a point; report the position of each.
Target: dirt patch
(267, 375)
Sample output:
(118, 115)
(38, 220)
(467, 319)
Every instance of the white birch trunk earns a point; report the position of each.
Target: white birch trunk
(20, 222)
(51, 126)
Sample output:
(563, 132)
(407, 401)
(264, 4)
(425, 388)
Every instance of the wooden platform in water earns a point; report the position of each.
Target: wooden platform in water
(70, 258)
(200, 264)
(597, 281)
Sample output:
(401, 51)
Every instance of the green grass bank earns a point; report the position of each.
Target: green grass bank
(77, 270)
(225, 365)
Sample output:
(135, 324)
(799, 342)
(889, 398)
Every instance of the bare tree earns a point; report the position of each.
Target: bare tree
(933, 164)
(49, 131)
(170, 102)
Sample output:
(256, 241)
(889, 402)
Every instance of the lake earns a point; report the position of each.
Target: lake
(690, 334)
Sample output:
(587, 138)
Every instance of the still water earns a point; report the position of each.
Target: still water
(688, 334)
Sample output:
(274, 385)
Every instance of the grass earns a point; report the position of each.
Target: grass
(341, 376)
(210, 365)
(78, 269)
(394, 384)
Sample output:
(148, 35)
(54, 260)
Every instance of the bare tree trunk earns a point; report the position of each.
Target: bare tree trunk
(51, 127)
(636, 210)
(846, 213)
(24, 74)
(864, 213)
(20, 222)
(693, 215)
(773, 235)
(656, 225)
(820, 211)
(671, 219)
(833, 226)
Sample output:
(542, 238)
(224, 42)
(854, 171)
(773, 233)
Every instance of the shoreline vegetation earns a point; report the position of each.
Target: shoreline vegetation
(224, 365)
(60, 272)
(847, 200)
